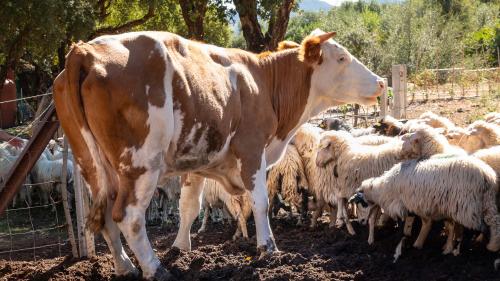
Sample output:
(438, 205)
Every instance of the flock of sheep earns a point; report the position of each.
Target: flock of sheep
(426, 167)
(400, 169)
(45, 178)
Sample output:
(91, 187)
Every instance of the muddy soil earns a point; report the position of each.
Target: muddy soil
(320, 254)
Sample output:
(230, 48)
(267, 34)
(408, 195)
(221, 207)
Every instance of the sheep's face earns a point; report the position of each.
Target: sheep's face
(389, 126)
(325, 153)
(331, 146)
(412, 147)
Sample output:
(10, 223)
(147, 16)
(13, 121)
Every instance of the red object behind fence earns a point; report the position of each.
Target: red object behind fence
(8, 110)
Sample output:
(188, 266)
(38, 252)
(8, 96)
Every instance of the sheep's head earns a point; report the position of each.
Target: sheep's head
(456, 136)
(335, 124)
(423, 143)
(363, 198)
(331, 146)
(389, 126)
(489, 133)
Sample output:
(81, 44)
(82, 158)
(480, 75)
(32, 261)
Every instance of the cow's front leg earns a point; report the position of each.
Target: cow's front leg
(260, 204)
(189, 208)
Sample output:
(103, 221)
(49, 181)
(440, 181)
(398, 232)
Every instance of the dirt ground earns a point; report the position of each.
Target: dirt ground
(320, 254)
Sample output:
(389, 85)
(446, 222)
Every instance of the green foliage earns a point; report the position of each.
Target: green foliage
(419, 33)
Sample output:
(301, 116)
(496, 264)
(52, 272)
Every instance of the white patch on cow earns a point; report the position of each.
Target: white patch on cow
(183, 49)
(147, 90)
(260, 207)
(160, 122)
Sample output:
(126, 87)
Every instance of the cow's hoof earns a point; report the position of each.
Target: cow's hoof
(133, 273)
(268, 249)
(162, 274)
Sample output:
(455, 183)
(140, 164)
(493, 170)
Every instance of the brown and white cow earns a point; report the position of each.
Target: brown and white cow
(140, 106)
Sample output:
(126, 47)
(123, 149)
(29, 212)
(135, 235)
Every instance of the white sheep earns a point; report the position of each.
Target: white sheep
(239, 206)
(320, 179)
(170, 193)
(354, 162)
(373, 139)
(47, 176)
(478, 135)
(287, 181)
(458, 188)
(492, 117)
(436, 121)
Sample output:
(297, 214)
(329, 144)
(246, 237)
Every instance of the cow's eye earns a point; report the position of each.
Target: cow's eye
(341, 59)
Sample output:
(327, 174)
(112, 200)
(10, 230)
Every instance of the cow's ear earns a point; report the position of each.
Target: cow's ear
(310, 48)
(286, 44)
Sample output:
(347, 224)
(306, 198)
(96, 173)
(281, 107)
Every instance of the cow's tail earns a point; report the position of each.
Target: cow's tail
(69, 103)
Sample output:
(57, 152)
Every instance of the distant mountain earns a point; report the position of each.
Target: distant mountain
(314, 5)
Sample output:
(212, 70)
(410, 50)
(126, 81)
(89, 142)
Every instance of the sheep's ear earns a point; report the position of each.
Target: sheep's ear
(310, 48)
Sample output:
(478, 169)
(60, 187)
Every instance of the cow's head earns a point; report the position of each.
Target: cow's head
(338, 76)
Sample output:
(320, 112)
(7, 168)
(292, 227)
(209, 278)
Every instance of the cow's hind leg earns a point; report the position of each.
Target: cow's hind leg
(189, 208)
(111, 233)
(133, 226)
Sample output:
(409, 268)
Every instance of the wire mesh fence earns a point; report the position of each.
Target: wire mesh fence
(453, 83)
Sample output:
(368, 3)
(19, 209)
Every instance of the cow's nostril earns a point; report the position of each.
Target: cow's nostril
(381, 84)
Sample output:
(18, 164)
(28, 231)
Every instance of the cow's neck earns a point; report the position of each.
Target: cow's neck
(289, 82)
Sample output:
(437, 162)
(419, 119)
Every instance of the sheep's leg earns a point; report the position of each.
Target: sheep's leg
(399, 248)
(316, 214)
(408, 225)
(372, 221)
(111, 233)
(424, 232)
(226, 216)
(189, 208)
(458, 233)
(206, 215)
(242, 227)
(350, 229)
(303, 208)
(449, 227)
(333, 215)
(340, 213)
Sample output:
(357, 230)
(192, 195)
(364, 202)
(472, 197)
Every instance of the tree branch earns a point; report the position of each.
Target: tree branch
(128, 25)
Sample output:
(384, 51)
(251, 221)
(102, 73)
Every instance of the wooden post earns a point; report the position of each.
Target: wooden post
(383, 100)
(85, 241)
(64, 195)
(356, 114)
(399, 90)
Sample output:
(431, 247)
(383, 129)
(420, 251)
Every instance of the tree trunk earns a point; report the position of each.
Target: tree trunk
(247, 11)
(278, 23)
(193, 12)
